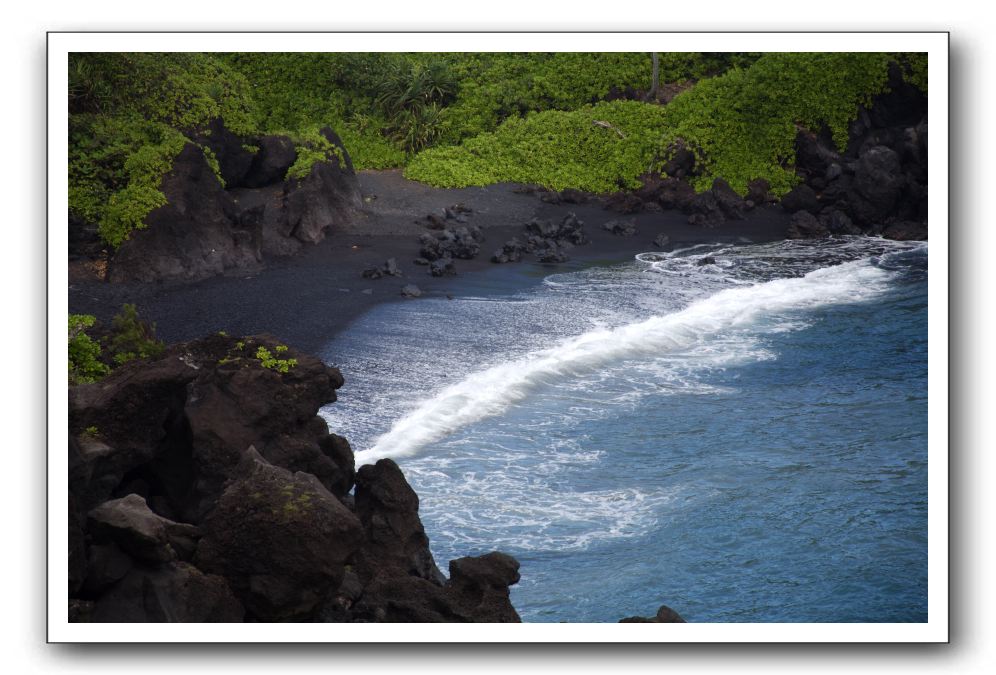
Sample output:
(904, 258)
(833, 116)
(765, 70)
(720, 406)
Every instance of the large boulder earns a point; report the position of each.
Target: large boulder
(240, 403)
(479, 587)
(208, 228)
(131, 525)
(906, 230)
(393, 534)
(476, 592)
(729, 202)
(878, 183)
(328, 197)
(280, 538)
(125, 422)
(196, 234)
(801, 198)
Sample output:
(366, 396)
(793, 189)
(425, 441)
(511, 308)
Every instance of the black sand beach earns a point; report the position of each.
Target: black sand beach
(306, 299)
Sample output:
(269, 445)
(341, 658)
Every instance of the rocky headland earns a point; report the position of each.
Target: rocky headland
(203, 486)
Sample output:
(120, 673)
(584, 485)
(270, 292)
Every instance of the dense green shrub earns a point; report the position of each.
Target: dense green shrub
(600, 148)
(298, 91)
(132, 114)
(743, 124)
(85, 365)
(497, 86)
(312, 147)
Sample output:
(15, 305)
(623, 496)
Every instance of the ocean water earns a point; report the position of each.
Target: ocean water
(739, 432)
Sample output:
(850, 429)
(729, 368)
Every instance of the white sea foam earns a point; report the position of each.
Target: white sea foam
(744, 311)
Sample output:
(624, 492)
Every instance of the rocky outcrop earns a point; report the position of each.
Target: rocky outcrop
(879, 184)
(197, 234)
(664, 615)
(205, 487)
(208, 227)
(327, 196)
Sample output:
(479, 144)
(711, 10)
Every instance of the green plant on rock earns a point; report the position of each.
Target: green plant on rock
(312, 147)
(85, 365)
(271, 362)
(133, 338)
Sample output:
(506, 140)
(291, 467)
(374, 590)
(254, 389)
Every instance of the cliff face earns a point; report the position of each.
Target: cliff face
(203, 486)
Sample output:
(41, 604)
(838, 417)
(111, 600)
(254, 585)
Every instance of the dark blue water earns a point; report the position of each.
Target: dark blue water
(743, 440)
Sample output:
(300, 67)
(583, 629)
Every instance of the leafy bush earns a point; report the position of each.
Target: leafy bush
(742, 124)
(133, 115)
(496, 87)
(133, 338)
(85, 365)
(599, 148)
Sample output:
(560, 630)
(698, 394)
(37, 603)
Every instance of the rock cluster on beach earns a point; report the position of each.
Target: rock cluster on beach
(439, 248)
(548, 240)
(203, 486)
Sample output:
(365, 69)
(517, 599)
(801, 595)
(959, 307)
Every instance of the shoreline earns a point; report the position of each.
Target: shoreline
(309, 298)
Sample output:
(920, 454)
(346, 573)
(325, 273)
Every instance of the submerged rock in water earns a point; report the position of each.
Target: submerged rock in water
(664, 615)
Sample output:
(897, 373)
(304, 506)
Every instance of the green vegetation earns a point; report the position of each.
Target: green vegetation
(130, 115)
(741, 124)
(84, 352)
(92, 358)
(599, 148)
(268, 360)
(312, 147)
(455, 119)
